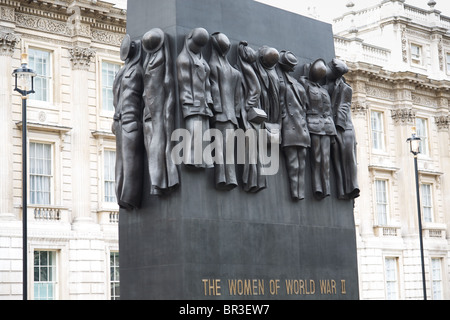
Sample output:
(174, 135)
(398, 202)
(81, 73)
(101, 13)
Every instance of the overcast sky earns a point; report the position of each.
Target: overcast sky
(326, 10)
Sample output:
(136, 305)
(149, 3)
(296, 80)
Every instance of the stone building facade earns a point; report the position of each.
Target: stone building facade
(73, 45)
(399, 57)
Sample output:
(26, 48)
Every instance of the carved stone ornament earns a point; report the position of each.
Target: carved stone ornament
(359, 108)
(74, 22)
(404, 115)
(442, 122)
(43, 24)
(81, 57)
(404, 45)
(8, 42)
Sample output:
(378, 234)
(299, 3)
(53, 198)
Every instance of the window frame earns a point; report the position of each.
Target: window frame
(425, 139)
(381, 134)
(112, 273)
(397, 276)
(41, 135)
(55, 273)
(104, 86)
(447, 60)
(100, 60)
(441, 277)
(104, 193)
(416, 59)
(51, 176)
(49, 78)
(427, 203)
(387, 217)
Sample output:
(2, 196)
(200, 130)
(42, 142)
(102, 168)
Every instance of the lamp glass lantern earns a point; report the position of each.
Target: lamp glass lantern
(24, 77)
(414, 143)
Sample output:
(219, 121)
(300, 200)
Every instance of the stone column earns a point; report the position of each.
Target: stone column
(81, 204)
(360, 114)
(404, 116)
(8, 42)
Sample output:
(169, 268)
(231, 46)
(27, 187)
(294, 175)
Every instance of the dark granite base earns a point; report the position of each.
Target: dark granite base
(201, 243)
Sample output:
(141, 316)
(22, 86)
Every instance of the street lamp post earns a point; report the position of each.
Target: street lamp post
(414, 145)
(24, 79)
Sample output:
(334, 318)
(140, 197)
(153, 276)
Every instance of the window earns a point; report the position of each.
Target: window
(448, 63)
(422, 133)
(114, 271)
(391, 278)
(427, 202)
(377, 130)
(40, 62)
(381, 199)
(109, 175)
(40, 173)
(109, 71)
(44, 275)
(416, 54)
(436, 278)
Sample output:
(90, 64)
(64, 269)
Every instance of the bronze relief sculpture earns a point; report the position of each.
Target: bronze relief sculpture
(226, 91)
(295, 138)
(265, 67)
(253, 117)
(158, 118)
(195, 93)
(320, 126)
(128, 88)
(344, 149)
(311, 114)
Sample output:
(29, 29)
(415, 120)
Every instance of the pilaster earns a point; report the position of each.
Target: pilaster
(8, 43)
(81, 58)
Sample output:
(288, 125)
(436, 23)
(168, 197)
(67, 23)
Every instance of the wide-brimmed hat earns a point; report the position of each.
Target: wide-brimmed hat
(153, 40)
(125, 47)
(287, 58)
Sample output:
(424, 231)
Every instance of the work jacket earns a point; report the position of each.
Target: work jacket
(193, 82)
(319, 113)
(294, 103)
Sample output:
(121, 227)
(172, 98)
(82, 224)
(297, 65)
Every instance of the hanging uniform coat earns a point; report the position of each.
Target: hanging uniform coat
(128, 88)
(195, 99)
(294, 129)
(226, 92)
(159, 98)
(344, 148)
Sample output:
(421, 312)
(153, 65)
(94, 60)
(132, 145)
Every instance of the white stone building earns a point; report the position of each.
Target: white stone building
(73, 45)
(399, 56)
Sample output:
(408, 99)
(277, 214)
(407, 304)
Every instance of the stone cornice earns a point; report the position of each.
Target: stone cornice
(415, 80)
(67, 15)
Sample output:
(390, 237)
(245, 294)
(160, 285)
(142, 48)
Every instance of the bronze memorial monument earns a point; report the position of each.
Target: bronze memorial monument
(236, 155)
